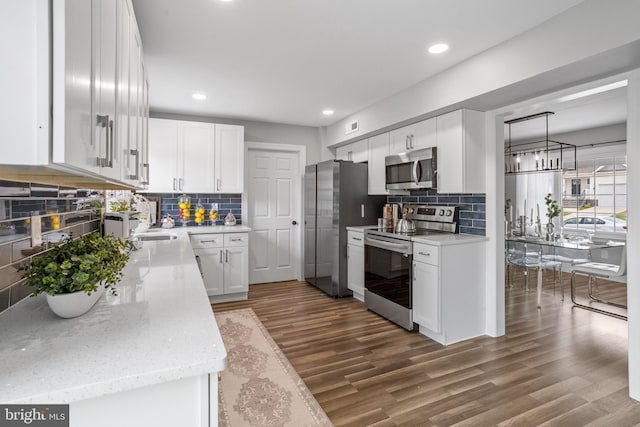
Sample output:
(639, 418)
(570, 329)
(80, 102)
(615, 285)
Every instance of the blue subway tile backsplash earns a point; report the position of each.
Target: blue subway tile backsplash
(471, 207)
(226, 203)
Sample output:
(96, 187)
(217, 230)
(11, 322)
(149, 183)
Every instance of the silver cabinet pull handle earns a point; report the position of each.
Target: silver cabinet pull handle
(411, 143)
(357, 238)
(110, 144)
(175, 183)
(146, 175)
(422, 253)
(218, 184)
(103, 122)
(237, 239)
(406, 142)
(220, 256)
(180, 183)
(226, 256)
(137, 174)
(208, 241)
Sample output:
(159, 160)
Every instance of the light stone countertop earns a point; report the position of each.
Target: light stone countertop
(160, 327)
(449, 239)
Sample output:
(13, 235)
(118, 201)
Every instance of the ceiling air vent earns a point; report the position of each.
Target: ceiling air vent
(351, 127)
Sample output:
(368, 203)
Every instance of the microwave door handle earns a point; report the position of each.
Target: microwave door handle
(417, 172)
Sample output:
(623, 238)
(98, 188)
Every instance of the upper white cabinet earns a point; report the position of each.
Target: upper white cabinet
(461, 152)
(229, 159)
(195, 157)
(414, 137)
(73, 60)
(378, 150)
(356, 152)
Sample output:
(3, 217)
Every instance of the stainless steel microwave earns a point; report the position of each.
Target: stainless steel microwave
(411, 170)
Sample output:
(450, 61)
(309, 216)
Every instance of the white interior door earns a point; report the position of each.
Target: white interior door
(274, 215)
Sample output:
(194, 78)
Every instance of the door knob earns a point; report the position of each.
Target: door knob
(294, 222)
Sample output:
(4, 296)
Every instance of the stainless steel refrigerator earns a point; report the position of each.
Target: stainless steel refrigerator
(335, 197)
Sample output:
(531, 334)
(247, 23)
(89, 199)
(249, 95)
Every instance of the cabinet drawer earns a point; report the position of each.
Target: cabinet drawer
(236, 239)
(355, 238)
(199, 241)
(425, 253)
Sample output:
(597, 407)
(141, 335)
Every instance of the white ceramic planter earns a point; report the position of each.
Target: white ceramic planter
(74, 304)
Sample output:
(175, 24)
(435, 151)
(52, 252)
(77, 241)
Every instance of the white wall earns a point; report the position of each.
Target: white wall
(276, 133)
(496, 77)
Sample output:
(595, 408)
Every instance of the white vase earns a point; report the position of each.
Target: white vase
(74, 304)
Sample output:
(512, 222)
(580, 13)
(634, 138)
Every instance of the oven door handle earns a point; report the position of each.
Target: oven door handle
(383, 244)
(417, 172)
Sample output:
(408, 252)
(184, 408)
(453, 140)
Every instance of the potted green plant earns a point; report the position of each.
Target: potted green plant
(553, 210)
(76, 272)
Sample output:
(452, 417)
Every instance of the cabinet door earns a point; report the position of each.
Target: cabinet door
(450, 153)
(73, 122)
(423, 135)
(355, 268)
(195, 157)
(211, 265)
(163, 149)
(399, 140)
(426, 296)
(144, 143)
(104, 26)
(378, 150)
(125, 13)
(236, 270)
(132, 153)
(229, 159)
(343, 153)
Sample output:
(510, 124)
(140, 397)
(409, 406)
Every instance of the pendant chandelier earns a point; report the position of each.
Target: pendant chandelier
(538, 156)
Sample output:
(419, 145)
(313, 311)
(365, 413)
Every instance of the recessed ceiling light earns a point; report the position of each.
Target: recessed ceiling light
(327, 112)
(438, 48)
(199, 96)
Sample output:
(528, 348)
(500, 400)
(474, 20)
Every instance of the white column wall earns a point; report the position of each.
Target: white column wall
(633, 237)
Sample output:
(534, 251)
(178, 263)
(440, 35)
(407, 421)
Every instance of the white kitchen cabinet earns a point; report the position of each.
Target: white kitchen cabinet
(426, 289)
(229, 159)
(195, 157)
(378, 151)
(414, 137)
(356, 152)
(223, 260)
(163, 149)
(355, 263)
(448, 301)
(69, 62)
(461, 152)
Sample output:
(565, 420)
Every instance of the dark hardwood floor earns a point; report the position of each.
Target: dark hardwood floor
(557, 366)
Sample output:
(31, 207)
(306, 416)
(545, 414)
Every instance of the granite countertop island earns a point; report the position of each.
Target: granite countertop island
(159, 328)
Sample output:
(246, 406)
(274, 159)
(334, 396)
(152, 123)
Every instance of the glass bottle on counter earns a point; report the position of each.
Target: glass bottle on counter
(184, 209)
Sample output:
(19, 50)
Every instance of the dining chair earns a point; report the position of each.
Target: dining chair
(597, 268)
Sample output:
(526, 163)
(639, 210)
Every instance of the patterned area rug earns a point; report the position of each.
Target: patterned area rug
(259, 386)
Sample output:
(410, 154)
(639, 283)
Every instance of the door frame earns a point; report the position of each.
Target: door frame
(301, 151)
(494, 137)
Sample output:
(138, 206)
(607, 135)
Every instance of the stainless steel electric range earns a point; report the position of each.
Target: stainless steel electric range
(389, 262)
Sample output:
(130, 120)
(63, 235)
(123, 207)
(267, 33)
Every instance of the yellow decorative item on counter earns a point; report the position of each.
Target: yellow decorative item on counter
(184, 208)
(213, 213)
(199, 214)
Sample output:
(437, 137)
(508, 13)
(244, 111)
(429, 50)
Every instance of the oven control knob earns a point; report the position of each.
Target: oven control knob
(449, 212)
(441, 213)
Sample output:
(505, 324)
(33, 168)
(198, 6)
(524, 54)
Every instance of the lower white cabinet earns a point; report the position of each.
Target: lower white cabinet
(355, 263)
(223, 260)
(448, 290)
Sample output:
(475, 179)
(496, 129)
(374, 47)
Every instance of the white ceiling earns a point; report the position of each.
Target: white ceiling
(602, 109)
(287, 60)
